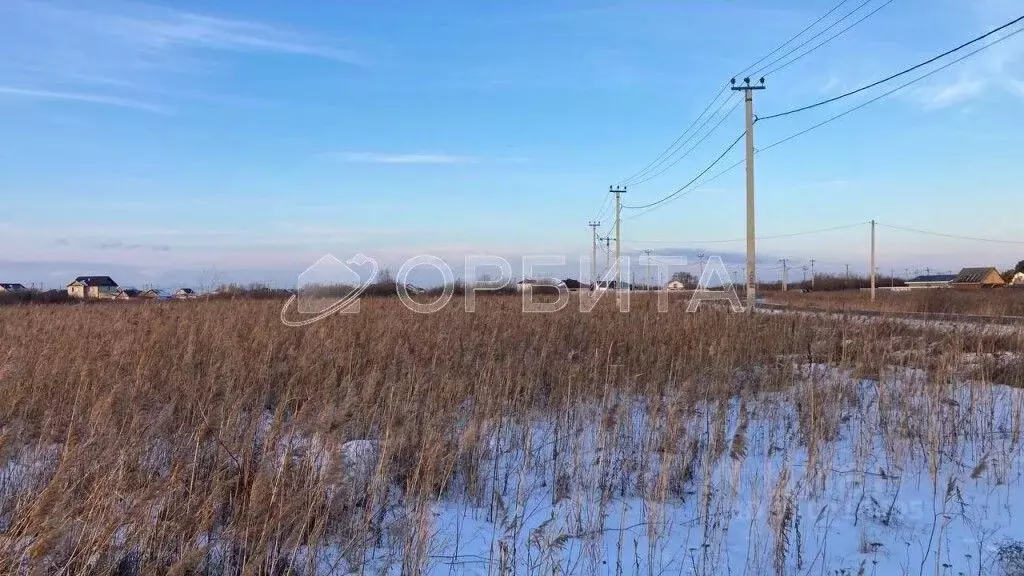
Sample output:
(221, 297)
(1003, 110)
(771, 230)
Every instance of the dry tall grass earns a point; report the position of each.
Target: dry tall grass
(206, 437)
(989, 302)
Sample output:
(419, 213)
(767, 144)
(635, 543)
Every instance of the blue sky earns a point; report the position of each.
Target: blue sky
(168, 140)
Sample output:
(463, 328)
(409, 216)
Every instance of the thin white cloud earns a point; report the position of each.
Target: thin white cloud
(83, 97)
(109, 51)
(993, 69)
(407, 158)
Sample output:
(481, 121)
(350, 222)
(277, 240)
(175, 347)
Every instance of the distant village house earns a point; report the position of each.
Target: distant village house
(183, 293)
(984, 277)
(12, 287)
(128, 294)
(931, 281)
(93, 287)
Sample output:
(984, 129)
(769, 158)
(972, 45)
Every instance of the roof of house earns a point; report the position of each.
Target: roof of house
(974, 275)
(933, 278)
(95, 281)
(131, 292)
(186, 291)
(12, 286)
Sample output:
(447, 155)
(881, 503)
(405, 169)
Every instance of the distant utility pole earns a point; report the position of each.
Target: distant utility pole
(847, 276)
(748, 90)
(804, 268)
(812, 273)
(593, 253)
(892, 278)
(607, 251)
(647, 271)
(618, 191)
(872, 260)
(784, 262)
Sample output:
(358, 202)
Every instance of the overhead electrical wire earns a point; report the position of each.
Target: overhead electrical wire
(890, 92)
(604, 208)
(790, 62)
(792, 38)
(683, 191)
(670, 149)
(823, 31)
(667, 151)
(773, 237)
(695, 145)
(945, 235)
(697, 177)
(898, 74)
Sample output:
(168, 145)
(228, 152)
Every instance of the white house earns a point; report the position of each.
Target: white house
(1018, 279)
(675, 285)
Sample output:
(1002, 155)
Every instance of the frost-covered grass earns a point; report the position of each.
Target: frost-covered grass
(213, 440)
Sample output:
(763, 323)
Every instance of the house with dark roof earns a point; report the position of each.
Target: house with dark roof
(12, 287)
(93, 287)
(128, 294)
(983, 277)
(931, 281)
(184, 293)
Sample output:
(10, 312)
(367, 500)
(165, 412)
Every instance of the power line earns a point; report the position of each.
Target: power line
(818, 35)
(789, 63)
(681, 192)
(890, 92)
(604, 207)
(685, 186)
(670, 147)
(792, 38)
(668, 151)
(954, 236)
(695, 145)
(694, 189)
(898, 74)
(774, 237)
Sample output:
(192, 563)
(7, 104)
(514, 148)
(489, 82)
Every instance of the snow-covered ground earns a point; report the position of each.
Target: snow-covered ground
(834, 475)
(629, 488)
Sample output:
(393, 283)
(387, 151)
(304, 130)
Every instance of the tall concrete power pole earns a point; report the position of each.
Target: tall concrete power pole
(784, 269)
(872, 260)
(748, 90)
(607, 252)
(593, 254)
(618, 234)
(812, 273)
(647, 271)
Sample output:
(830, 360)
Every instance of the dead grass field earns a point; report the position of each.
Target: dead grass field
(992, 302)
(207, 438)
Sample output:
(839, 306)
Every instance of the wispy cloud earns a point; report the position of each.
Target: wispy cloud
(993, 69)
(109, 52)
(83, 97)
(404, 158)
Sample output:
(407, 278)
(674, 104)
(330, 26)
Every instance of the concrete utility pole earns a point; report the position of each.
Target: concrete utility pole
(784, 262)
(607, 251)
(847, 276)
(872, 260)
(647, 271)
(812, 273)
(748, 90)
(593, 254)
(804, 268)
(618, 233)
